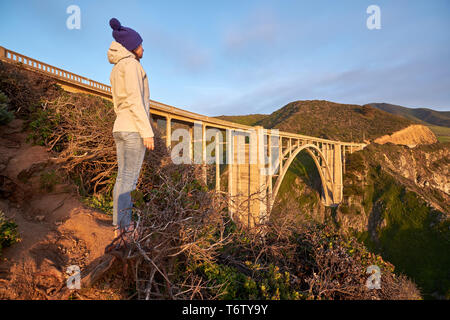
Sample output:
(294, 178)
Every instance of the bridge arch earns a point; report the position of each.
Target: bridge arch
(324, 170)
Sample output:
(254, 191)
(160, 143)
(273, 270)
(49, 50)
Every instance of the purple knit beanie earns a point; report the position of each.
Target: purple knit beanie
(127, 37)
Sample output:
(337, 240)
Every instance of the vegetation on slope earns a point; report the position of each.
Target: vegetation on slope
(384, 213)
(300, 191)
(385, 206)
(9, 233)
(307, 262)
(6, 115)
(399, 224)
(442, 133)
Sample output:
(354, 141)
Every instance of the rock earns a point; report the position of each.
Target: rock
(30, 158)
(26, 174)
(11, 190)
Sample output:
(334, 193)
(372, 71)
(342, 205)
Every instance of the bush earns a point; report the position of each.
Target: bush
(8, 232)
(100, 201)
(6, 116)
(308, 262)
(42, 125)
(48, 180)
(25, 88)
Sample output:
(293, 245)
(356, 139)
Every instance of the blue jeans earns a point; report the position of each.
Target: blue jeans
(130, 156)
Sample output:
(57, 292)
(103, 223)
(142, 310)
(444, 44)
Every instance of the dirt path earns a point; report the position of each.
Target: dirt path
(56, 229)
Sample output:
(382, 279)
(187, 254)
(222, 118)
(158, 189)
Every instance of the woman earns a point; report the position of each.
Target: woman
(132, 130)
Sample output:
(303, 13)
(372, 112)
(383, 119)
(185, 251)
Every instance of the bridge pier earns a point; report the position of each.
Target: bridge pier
(168, 132)
(337, 170)
(247, 177)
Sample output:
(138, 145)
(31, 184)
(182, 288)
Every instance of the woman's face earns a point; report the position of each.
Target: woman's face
(139, 51)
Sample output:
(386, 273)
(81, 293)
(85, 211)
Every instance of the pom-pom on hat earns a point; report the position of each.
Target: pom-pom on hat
(127, 37)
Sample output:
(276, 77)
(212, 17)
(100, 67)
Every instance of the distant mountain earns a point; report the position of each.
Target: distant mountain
(325, 119)
(437, 121)
(421, 115)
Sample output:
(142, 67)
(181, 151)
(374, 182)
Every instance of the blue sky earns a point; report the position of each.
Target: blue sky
(239, 57)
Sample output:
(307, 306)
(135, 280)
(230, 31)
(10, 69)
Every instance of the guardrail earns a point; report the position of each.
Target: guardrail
(30, 63)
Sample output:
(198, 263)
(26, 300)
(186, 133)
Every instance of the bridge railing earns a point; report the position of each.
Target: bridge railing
(37, 65)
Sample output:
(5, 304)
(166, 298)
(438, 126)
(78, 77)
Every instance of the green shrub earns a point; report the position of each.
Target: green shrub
(6, 116)
(42, 125)
(102, 202)
(48, 180)
(268, 284)
(8, 232)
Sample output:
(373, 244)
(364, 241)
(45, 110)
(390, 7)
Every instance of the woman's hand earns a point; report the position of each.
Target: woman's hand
(149, 143)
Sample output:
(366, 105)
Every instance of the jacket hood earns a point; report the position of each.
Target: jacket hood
(117, 52)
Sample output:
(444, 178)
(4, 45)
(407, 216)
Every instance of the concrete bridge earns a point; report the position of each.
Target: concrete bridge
(256, 159)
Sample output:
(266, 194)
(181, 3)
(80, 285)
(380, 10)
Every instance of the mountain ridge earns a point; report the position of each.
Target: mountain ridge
(423, 115)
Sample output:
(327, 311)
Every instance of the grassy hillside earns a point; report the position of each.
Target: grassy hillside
(442, 133)
(329, 120)
(400, 225)
(386, 211)
(300, 191)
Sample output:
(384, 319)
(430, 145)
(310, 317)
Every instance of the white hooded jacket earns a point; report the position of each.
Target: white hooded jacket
(129, 87)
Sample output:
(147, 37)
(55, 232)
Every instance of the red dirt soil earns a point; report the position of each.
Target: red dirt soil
(56, 228)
